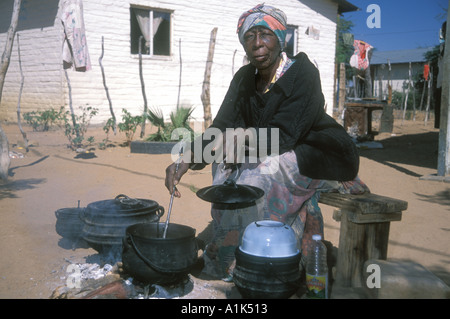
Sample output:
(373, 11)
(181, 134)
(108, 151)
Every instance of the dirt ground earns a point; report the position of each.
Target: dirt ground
(34, 258)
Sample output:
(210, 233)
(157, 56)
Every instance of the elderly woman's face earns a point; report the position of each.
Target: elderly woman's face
(262, 47)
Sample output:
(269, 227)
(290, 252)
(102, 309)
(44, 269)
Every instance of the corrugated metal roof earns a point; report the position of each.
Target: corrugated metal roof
(399, 56)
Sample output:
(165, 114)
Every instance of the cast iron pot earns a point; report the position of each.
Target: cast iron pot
(68, 222)
(151, 259)
(105, 221)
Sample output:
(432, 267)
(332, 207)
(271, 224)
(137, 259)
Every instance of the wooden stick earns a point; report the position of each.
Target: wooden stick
(24, 135)
(430, 81)
(4, 144)
(106, 88)
(205, 96)
(141, 76)
(181, 71)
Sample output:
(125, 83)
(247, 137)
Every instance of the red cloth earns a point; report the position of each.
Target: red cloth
(426, 71)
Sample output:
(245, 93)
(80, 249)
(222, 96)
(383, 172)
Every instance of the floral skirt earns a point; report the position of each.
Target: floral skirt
(289, 197)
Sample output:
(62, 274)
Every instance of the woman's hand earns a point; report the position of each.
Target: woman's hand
(173, 176)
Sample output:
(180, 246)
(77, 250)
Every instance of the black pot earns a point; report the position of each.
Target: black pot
(265, 277)
(105, 221)
(68, 222)
(150, 258)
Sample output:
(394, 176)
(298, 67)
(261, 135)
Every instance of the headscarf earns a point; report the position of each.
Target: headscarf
(266, 16)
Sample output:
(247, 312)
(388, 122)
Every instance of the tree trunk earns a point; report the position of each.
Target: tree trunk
(100, 59)
(19, 123)
(144, 96)
(4, 145)
(206, 82)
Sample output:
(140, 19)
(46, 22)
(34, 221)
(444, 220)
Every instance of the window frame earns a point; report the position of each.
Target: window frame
(151, 11)
(295, 39)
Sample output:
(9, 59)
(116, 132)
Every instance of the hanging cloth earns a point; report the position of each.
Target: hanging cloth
(360, 57)
(75, 50)
(426, 71)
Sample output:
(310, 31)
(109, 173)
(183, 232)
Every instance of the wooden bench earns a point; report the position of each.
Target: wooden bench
(364, 231)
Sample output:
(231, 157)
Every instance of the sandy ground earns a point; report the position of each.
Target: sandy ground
(34, 258)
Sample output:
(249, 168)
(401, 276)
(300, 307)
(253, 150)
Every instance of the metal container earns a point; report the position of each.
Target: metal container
(150, 258)
(105, 221)
(267, 261)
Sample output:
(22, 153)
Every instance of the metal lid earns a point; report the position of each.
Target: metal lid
(230, 193)
(122, 204)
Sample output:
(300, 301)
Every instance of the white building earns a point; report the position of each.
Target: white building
(181, 45)
(393, 67)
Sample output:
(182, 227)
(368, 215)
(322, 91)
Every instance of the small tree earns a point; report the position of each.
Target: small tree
(4, 144)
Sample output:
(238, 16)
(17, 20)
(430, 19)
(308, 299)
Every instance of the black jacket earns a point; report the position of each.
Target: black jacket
(295, 105)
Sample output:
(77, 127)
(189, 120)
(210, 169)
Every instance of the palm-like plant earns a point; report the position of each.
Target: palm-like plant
(179, 119)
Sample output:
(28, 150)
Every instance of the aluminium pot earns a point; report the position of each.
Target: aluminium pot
(105, 221)
(152, 259)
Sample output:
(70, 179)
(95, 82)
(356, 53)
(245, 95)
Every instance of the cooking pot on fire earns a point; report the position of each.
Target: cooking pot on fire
(105, 221)
(150, 258)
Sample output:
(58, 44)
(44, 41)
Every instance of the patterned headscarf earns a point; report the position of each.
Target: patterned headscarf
(266, 16)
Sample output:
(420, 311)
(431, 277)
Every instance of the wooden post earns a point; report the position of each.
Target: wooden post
(19, 123)
(106, 88)
(341, 89)
(389, 83)
(141, 76)
(4, 144)
(206, 82)
(430, 85)
(351, 248)
(181, 72)
(444, 125)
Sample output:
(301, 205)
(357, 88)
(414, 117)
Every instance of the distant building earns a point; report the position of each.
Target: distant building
(399, 69)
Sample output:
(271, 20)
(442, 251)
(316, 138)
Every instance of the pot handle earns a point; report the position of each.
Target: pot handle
(159, 211)
(125, 201)
(145, 259)
(82, 214)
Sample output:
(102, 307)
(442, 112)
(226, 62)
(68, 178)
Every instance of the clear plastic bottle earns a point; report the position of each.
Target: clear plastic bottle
(317, 270)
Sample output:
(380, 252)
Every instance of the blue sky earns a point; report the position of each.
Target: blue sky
(404, 24)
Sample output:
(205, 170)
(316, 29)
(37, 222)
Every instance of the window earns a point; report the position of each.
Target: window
(153, 27)
(291, 40)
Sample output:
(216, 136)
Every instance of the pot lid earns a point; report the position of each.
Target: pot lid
(230, 193)
(122, 204)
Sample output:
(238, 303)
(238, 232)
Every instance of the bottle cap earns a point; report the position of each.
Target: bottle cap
(317, 237)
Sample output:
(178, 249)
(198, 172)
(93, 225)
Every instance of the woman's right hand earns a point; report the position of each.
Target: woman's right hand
(173, 177)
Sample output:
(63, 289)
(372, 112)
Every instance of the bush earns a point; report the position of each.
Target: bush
(43, 120)
(75, 132)
(129, 124)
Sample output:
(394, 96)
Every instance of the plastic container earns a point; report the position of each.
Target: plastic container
(317, 270)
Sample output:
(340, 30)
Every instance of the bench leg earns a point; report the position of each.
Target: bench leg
(359, 242)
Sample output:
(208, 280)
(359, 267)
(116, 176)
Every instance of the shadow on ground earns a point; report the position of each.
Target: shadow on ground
(409, 149)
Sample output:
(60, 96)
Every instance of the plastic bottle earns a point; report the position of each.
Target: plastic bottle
(317, 270)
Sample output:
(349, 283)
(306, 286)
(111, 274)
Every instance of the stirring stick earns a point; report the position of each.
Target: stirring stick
(171, 196)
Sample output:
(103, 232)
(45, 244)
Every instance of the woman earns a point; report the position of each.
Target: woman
(283, 95)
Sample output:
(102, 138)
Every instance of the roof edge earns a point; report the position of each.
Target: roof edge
(345, 6)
